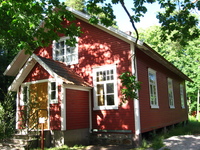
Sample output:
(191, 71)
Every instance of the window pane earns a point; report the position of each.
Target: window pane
(68, 50)
(100, 100)
(62, 44)
(110, 87)
(57, 45)
(104, 75)
(100, 89)
(53, 85)
(110, 99)
(25, 97)
(100, 93)
(53, 95)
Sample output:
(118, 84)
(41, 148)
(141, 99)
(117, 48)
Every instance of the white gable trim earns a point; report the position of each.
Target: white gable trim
(27, 68)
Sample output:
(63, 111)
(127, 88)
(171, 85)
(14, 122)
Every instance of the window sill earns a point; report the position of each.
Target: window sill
(105, 108)
(155, 106)
(171, 107)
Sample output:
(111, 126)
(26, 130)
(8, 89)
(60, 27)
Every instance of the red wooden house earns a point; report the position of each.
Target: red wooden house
(77, 89)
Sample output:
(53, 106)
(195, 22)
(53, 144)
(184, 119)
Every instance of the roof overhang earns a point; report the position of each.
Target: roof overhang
(17, 63)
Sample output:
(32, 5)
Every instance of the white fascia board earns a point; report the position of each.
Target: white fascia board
(27, 68)
(16, 64)
(111, 30)
(22, 74)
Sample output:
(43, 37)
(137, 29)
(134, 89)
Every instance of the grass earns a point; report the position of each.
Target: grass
(155, 141)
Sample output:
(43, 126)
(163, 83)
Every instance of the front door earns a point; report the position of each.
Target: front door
(38, 102)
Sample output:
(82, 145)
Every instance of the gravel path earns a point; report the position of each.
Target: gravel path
(184, 142)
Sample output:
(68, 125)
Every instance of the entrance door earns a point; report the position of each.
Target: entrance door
(38, 104)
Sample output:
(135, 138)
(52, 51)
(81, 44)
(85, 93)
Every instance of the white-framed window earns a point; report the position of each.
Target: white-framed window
(182, 96)
(153, 88)
(53, 92)
(170, 92)
(24, 95)
(105, 87)
(65, 53)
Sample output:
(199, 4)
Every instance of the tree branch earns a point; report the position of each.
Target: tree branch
(131, 20)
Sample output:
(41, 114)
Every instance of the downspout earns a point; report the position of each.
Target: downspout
(137, 137)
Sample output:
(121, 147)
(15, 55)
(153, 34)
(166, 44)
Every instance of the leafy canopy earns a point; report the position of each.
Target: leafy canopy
(28, 24)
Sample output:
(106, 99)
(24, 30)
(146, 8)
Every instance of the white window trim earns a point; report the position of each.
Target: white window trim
(21, 102)
(170, 80)
(102, 68)
(182, 96)
(153, 72)
(76, 49)
(52, 101)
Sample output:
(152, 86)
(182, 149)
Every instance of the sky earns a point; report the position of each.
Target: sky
(122, 19)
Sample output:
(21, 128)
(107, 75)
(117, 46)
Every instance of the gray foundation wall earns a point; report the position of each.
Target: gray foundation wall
(57, 138)
(112, 138)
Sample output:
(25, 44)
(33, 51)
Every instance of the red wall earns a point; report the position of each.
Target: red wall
(98, 48)
(77, 109)
(37, 73)
(163, 116)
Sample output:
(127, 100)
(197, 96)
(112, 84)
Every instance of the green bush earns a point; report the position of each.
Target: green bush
(7, 116)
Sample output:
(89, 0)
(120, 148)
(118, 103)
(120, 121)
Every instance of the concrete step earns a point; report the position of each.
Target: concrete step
(12, 146)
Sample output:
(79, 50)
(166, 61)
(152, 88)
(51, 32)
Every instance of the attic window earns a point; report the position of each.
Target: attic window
(65, 53)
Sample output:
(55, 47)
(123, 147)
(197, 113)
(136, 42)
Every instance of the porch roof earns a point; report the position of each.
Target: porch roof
(67, 74)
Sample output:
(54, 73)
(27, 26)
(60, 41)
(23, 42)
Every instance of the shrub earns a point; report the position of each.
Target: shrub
(7, 116)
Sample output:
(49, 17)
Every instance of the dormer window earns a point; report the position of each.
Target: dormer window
(65, 53)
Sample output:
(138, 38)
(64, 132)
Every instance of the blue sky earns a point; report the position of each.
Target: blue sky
(123, 21)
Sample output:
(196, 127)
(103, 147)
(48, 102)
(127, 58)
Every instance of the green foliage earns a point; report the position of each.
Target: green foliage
(7, 116)
(33, 23)
(131, 86)
(28, 26)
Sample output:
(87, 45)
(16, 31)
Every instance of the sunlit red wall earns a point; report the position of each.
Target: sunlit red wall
(164, 116)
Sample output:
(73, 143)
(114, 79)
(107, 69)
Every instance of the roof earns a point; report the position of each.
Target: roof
(67, 74)
(21, 58)
(56, 69)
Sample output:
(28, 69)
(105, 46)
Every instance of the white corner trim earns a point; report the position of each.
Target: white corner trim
(63, 108)
(136, 102)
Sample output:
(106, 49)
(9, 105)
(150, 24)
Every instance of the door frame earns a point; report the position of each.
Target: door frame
(20, 101)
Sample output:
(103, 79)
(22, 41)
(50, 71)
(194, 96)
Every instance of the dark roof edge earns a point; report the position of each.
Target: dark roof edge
(156, 56)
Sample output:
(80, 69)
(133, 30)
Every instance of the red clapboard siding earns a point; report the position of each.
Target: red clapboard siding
(120, 119)
(37, 73)
(77, 109)
(163, 116)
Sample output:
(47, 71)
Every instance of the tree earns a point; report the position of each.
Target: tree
(21, 20)
(76, 4)
(186, 58)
